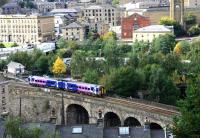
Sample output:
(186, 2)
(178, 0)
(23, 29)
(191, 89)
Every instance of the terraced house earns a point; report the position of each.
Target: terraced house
(24, 29)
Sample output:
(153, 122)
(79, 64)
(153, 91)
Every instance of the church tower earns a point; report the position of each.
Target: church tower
(177, 10)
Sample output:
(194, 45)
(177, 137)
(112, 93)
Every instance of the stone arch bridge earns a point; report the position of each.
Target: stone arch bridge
(46, 105)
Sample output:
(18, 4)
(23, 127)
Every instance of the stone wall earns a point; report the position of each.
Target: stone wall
(44, 105)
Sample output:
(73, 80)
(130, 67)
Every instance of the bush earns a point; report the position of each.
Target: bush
(194, 30)
(2, 45)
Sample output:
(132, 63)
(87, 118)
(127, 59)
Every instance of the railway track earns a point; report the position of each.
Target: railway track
(123, 102)
(142, 106)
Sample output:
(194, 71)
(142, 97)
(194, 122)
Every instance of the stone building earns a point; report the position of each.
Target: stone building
(192, 3)
(24, 29)
(147, 34)
(44, 7)
(131, 23)
(74, 31)
(108, 13)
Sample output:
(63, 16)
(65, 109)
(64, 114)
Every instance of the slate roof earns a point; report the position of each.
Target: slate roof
(13, 64)
(153, 28)
(64, 11)
(73, 25)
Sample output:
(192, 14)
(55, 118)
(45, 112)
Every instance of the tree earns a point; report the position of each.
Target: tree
(190, 19)
(15, 130)
(161, 87)
(123, 81)
(115, 2)
(109, 35)
(112, 54)
(62, 43)
(164, 43)
(188, 123)
(91, 76)
(59, 67)
(3, 64)
(194, 30)
(194, 56)
(78, 64)
(22, 57)
(171, 62)
(2, 45)
(182, 47)
(41, 64)
(21, 4)
(178, 30)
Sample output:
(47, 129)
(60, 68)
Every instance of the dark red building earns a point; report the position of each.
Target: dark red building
(131, 23)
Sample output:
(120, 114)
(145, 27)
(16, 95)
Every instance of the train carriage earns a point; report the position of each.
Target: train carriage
(76, 87)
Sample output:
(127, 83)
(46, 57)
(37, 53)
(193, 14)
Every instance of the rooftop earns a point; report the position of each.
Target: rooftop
(154, 28)
(64, 11)
(74, 25)
(13, 64)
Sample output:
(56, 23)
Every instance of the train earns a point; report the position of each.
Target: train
(72, 86)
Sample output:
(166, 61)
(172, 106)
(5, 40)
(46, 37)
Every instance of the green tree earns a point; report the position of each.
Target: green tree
(115, 2)
(190, 19)
(182, 47)
(188, 123)
(164, 43)
(123, 81)
(21, 4)
(41, 64)
(2, 45)
(171, 63)
(194, 30)
(161, 87)
(112, 54)
(194, 56)
(62, 43)
(178, 30)
(91, 76)
(78, 64)
(22, 57)
(3, 64)
(14, 129)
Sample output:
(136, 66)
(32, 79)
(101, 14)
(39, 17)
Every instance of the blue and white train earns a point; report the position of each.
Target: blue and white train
(77, 87)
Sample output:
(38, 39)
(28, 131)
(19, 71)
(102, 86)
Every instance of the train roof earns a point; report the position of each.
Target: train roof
(44, 78)
(83, 83)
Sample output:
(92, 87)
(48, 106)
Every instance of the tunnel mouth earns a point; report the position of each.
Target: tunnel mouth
(111, 120)
(76, 114)
(131, 122)
(155, 126)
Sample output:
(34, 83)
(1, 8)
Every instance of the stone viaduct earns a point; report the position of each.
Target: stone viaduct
(41, 104)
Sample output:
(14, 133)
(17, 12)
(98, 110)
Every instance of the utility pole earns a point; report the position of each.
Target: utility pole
(62, 112)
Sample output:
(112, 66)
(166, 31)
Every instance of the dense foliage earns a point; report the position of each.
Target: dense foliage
(15, 129)
(154, 68)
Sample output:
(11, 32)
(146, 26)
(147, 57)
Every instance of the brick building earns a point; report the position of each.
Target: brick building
(131, 23)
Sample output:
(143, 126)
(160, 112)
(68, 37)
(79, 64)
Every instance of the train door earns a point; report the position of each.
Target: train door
(102, 90)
